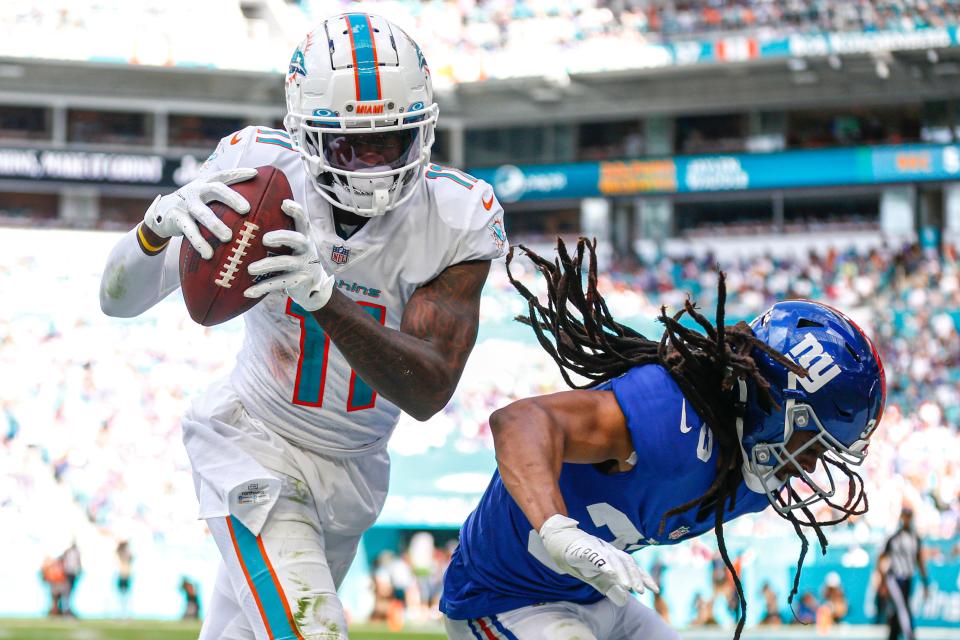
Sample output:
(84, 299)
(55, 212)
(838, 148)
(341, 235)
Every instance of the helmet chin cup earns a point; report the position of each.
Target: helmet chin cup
(381, 198)
(363, 197)
(314, 164)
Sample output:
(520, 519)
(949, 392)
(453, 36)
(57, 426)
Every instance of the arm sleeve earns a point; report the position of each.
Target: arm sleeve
(132, 281)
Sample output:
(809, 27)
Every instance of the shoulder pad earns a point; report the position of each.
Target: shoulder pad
(252, 146)
(468, 206)
(463, 202)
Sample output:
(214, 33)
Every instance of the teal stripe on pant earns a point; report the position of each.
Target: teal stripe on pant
(265, 589)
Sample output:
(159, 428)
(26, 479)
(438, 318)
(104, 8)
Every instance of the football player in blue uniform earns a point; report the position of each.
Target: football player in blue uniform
(669, 439)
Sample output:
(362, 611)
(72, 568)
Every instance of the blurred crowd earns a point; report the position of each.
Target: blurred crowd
(60, 575)
(465, 40)
(407, 583)
(698, 17)
(825, 605)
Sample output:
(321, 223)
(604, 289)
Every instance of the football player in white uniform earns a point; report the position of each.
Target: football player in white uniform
(375, 311)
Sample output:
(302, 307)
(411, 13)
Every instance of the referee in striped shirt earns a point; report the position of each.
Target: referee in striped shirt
(898, 564)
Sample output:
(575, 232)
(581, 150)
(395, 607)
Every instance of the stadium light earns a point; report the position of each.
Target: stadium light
(882, 61)
(882, 69)
(797, 64)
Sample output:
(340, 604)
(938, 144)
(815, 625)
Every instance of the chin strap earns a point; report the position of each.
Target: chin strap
(752, 481)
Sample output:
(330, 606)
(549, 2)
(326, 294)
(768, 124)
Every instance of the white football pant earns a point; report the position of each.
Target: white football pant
(282, 583)
(602, 620)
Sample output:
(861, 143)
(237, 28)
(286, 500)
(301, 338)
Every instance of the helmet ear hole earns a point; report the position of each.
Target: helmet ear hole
(852, 351)
(843, 412)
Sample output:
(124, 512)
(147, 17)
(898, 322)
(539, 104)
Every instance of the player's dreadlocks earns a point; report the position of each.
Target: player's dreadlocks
(587, 341)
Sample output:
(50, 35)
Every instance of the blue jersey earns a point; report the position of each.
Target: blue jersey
(501, 563)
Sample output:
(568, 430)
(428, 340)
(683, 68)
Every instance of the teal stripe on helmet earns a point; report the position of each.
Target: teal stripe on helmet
(365, 56)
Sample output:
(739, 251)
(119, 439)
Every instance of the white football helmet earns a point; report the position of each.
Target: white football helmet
(361, 113)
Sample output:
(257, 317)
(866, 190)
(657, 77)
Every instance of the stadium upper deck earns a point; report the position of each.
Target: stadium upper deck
(480, 40)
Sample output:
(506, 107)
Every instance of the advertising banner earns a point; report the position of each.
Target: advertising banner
(542, 182)
(530, 183)
(726, 172)
(739, 48)
(97, 167)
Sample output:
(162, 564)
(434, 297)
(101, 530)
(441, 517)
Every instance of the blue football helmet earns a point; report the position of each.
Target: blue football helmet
(840, 401)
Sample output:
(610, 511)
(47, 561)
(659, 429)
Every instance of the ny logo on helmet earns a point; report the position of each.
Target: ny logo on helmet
(821, 369)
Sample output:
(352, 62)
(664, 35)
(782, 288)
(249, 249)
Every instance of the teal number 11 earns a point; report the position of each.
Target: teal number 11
(312, 365)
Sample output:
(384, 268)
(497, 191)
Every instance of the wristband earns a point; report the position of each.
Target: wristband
(149, 249)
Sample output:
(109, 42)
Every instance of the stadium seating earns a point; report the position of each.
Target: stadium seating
(466, 41)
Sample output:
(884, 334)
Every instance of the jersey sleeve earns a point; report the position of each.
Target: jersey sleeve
(229, 153)
(656, 419)
(476, 220)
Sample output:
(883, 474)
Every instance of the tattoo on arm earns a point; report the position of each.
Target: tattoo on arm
(418, 367)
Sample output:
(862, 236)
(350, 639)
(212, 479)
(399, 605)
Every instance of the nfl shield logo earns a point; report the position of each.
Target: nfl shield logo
(340, 254)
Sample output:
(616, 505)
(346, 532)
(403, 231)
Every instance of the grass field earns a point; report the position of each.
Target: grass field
(140, 630)
(147, 630)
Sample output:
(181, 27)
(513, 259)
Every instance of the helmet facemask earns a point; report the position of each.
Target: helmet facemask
(782, 476)
(366, 165)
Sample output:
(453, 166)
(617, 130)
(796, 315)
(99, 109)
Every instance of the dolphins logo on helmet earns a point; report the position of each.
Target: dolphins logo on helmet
(371, 83)
(839, 402)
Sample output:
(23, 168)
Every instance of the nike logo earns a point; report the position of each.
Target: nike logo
(684, 427)
(487, 203)
(235, 139)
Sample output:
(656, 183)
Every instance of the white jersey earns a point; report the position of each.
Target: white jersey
(288, 373)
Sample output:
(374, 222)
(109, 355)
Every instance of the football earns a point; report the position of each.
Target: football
(213, 289)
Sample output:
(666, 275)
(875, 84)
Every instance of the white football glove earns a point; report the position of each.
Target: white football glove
(300, 274)
(598, 563)
(177, 214)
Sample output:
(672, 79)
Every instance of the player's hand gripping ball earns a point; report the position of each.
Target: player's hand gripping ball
(184, 212)
(213, 287)
(299, 274)
(597, 562)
